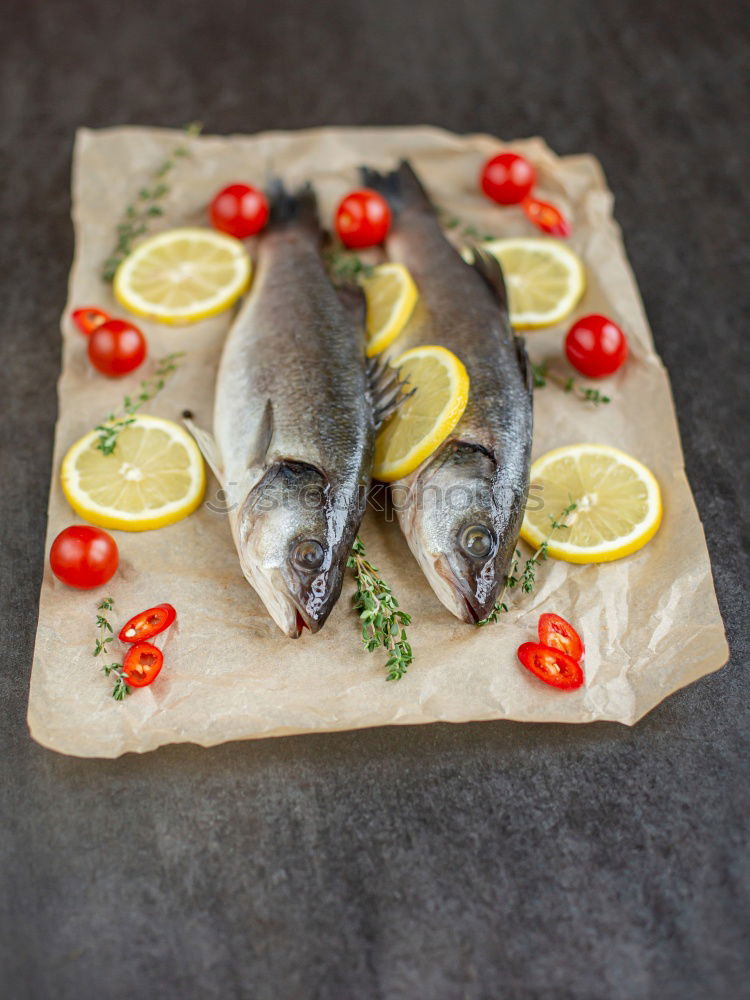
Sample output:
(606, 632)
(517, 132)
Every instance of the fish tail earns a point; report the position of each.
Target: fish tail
(292, 208)
(401, 188)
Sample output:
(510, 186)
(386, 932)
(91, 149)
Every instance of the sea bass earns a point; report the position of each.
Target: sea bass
(294, 424)
(461, 510)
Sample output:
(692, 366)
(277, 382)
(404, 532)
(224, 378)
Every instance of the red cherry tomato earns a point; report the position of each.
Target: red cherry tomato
(556, 632)
(596, 346)
(363, 219)
(84, 557)
(89, 318)
(147, 624)
(116, 348)
(142, 663)
(507, 178)
(546, 217)
(239, 210)
(551, 665)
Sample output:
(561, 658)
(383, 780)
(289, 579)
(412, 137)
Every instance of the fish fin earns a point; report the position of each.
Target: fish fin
(386, 388)
(208, 446)
(524, 364)
(352, 298)
(292, 208)
(401, 188)
(257, 455)
(488, 267)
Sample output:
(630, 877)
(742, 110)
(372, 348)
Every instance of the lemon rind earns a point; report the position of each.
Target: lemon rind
(449, 417)
(542, 321)
(213, 306)
(103, 517)
(635, 540)
(400, 315)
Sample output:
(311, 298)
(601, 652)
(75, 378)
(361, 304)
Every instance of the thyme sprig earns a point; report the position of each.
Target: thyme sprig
(143, 209)
(465, 229)
(105, 635)
(383, 623)
(527, 579)
(111, 427)
(345, 267)
(542, 374)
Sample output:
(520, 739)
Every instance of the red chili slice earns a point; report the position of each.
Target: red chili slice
(142, 664)
(551, 665)
(147, 624)
(546, 217)
(556, 632)
(89, 319)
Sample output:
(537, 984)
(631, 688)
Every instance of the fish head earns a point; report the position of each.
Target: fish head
(462, 525)
(289, 546)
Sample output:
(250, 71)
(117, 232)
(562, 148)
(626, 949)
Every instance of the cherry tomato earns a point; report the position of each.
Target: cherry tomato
(551, 665)
(363, 219)
(84, 557)
(89, 319)
(239, 210)
(556, 632)
(507, 178)
(142, 663)
(147, 624)
(116, 347)
(546, 217)
(596, 346)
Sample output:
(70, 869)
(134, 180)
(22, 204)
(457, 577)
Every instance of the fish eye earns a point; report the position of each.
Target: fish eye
(477, 541)
(308, 555)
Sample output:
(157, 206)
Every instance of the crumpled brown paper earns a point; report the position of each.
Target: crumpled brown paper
(650, 622)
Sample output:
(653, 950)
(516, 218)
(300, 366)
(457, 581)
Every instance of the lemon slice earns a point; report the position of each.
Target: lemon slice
(544, 278)
(183, 275)
(425, 419)
(391, 296)
(618, 503)
(155, 476)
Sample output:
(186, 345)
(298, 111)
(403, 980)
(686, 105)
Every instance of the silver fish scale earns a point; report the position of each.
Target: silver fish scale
(295, 344)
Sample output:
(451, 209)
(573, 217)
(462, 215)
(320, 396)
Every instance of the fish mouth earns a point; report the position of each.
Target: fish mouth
(303, 620)
(472, 597)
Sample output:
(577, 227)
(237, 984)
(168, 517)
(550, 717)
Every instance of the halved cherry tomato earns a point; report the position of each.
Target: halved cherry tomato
(363, 219)
(546, 217)
(142, 663)
(84, 557)
(507, 178)
(240, 210)
(551, 665)
(116, 348)
(596, 346)
(556, 632)
(89, 318)
(147, 624)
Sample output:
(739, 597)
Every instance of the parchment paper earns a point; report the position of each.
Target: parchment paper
(650, 622)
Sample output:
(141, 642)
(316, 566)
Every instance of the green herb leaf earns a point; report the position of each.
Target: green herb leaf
(542, 373)
(345, 267)
(383, 621)
(139, 213)
(527, 579)
(109, 430)
(103, 625)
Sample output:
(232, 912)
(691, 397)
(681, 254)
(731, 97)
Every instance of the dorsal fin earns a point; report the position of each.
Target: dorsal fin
(488, 267)
(256, 456)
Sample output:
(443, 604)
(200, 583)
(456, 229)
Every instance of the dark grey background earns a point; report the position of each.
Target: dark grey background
(478, 861)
